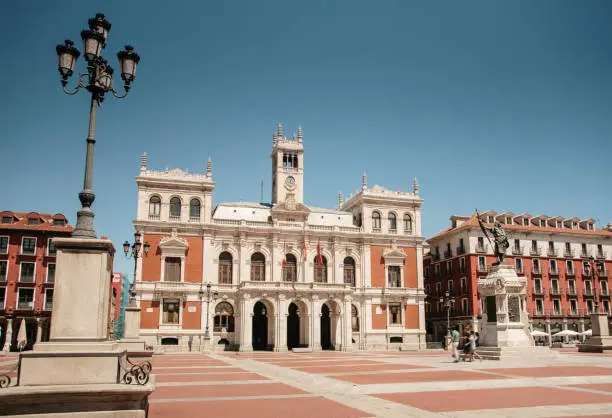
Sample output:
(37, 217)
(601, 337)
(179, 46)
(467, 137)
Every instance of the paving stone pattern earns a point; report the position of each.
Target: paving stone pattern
(382, 384)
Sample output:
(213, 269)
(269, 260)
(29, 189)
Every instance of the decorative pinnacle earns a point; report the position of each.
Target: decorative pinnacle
(415, 185)
(279, 130)
(340, 199)
(364, 181)
(143, 162)
(299, 135)
(209, 168)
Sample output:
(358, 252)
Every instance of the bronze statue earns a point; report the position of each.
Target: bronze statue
(499, 236)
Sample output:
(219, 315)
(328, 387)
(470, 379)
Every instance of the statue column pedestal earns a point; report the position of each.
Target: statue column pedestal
(131, 341)
(600, 340)
(505, 322)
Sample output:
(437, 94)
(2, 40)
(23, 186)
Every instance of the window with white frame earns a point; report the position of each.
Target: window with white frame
(569, 266)
(437, 270)
(48, 299)
(392, 222)
(553, 266)
(172, 271)
(590, 307)
(537, 286)
(462, 265)
(3, 270)
(376, 221)
(491, 219)
(25, 299)
(463, 284)
(449, 268)
(224, 317)
(170, 311)
(525, 221)
(407, 223)
(4, 245)
(51, 273)
(464, 306)
(606, 306)
(571, 286)
(395, 314)
(604, 287)
(394, 273)
(518, 263)
(2, 297)
(154, 207)
(438, 288)
(588, 289)
(508, 220)
(27, 272)
(450, 286)
(543, 223)
(482, 263)
(573, 306)
(536, 266)
(194, 209)
(51, 250)
(28, 246)
(539, 306)
(556, 306)
(554, 285)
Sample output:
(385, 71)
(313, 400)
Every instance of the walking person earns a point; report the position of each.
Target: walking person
(473, 343)
(455, 343)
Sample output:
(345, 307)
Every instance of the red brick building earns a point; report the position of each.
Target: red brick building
(555, 254)
(27, 273)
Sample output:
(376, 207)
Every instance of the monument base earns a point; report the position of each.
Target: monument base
(86, 401)
(601, 340)
(517, 352)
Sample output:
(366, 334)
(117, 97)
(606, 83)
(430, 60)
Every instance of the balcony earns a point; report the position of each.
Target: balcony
(483, 269)
(575, 312)
(572, 292)
(552, 252)
(588, 293)
(393, 230)
(554, 291)
(534, 251)
(174, 218)
(571, 272)
(448, 254)
(556, 312)
(194, 219)
(568, 253)
(460, 250)
(435, 256)
(536, 270)
(154, 217)
(536, 312)
(600, 255)
(538, 291)
(604, 293)
(517, 250)
(585, 254)
(519, 270)
(603, 273)
(553, 272)
(482, 248)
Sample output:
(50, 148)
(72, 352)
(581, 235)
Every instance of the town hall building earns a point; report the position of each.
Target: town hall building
(280, 275)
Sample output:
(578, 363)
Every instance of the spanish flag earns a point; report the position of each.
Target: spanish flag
(319, 258)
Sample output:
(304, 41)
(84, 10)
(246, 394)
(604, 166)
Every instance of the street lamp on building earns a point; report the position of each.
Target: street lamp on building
(136, 252)
(209, 298)
(98, 80)
(593, 267)
(448, 301)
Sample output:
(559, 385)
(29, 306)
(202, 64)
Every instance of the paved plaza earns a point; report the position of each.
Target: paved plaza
(366, 384)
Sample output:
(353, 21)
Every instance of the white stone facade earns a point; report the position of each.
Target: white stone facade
(247, 253)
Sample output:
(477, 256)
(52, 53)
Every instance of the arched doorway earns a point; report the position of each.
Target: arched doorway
(260, 327)
(326, 340)
(293, 326)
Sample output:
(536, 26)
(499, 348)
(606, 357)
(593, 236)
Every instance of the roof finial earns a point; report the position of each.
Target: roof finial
(279, 131)
(364, 181)
(300, 136)
(415, 185)
(340, 199)
(209, 168)
(143, 162)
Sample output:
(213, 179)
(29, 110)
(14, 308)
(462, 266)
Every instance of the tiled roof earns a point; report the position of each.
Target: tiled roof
(20, 221)
(473, 223)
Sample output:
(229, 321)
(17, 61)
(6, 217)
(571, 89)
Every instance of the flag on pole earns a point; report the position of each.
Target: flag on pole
(304, 249)
(319, 258)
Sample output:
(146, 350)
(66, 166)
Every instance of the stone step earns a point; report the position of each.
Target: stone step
(497, 353)
(302, 350)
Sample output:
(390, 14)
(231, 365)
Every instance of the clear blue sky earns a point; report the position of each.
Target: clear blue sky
(496, 105)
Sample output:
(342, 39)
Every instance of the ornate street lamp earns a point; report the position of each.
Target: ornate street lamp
(593, 266)
(448, 301)
(209, 298)
(135, 254)
(99, 78)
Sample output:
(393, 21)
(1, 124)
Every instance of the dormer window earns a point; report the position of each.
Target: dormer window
(290, 160)
(590, 226)
(525, 221)
(33, 221)
(559, 224)
(491, 219)
(543, 223)
(59, 222)
(7, 220)
(509, 220)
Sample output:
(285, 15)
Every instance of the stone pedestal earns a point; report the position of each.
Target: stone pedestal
(79, 364)
(600, 340)
(505, 319)
(131, 340)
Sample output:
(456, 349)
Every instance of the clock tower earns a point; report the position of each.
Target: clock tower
(287, 169)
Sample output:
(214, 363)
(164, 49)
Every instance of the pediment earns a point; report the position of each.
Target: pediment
(173, 242)
(394, 253)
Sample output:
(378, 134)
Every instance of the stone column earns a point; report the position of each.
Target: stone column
(281, 329)
(315, 325)
(9, 335)
(548, 331)
(39, 329)
(347, 328)
(246, 327)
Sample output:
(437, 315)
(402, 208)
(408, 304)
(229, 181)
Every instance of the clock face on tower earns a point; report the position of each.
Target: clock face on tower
(290, 182)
